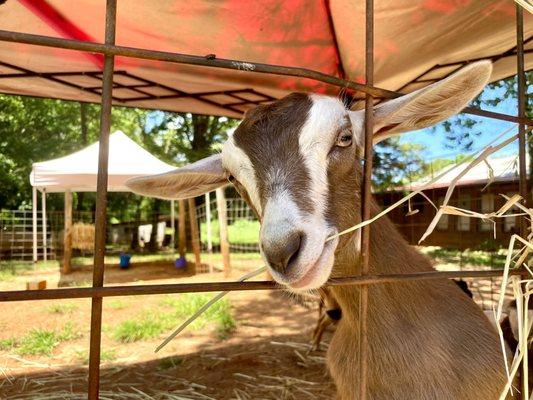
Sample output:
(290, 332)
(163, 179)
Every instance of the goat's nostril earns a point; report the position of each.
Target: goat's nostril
(280, 255)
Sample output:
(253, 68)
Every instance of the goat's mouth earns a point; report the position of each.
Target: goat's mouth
(315, 274)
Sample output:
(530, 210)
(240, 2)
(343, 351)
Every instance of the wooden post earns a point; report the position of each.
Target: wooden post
(172, 225)
(209, 232)
(223, 224)
(182, 235)
(67, 237)
(195, 237)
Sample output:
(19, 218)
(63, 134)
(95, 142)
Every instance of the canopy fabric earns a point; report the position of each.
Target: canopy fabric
(77, 172)
(416, 42)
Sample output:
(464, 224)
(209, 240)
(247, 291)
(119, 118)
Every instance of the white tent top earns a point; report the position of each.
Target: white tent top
(505, 169)
(77, 172)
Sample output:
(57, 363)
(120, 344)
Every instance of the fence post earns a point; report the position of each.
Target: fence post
(182, 233)
(208, 230)
(195, 237)
(172, 225)
(44, 227)
(223, 224)
(67, 236)
(34, 223)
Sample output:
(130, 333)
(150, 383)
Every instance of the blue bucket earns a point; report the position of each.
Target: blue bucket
(180, 263)
(125, 260)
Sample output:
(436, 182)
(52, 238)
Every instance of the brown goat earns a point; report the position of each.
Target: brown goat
(296, 161)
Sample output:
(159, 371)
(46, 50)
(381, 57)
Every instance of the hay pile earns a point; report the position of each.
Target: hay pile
(83, 236)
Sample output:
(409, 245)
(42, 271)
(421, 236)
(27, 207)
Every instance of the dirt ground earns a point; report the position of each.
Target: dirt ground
(266, 357)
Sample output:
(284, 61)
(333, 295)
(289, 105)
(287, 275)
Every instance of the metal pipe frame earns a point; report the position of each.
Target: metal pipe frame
(97, 292)
(135, 290)
(366, 200)
(211, 61)
(101, 203)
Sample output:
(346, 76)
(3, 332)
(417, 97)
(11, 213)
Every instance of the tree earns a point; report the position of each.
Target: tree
(396, 164)
(462, 130)
(185, 137)
(34, 129)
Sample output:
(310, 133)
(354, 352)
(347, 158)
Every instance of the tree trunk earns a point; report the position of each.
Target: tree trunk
(135, 235)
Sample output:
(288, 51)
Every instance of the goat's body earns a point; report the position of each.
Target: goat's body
(427, 339)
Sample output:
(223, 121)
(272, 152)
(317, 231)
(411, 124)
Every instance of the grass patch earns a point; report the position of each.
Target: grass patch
(105, 355)
(150, 325)
(7, 344)
(134, 330)
(242, 231)
(9, 270)
(116, 304)
(494, 259)
(62, 308)
(40, 341)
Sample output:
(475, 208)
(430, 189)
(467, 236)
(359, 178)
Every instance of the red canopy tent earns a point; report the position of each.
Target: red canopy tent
(417, 42)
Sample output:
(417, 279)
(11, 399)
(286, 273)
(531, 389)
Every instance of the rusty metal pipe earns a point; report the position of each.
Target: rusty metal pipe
(101, 204)
(136, 290)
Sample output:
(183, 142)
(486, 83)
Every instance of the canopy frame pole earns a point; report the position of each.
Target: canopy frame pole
(172, 224)
(44, 226)
(222, 211)
(34, 223)
(132, 52)
(101, 203)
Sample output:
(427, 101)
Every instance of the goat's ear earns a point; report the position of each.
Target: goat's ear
(190, 181)
(432, 104)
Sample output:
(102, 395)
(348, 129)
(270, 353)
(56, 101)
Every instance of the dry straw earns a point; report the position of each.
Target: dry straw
(82, 236)
(527, 4)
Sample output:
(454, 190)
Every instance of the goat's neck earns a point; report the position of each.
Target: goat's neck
(389, 254)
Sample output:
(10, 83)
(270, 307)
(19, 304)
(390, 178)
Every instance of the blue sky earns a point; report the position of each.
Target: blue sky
(435, 139)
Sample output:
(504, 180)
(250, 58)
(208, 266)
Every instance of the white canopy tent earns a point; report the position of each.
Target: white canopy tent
(78, 171)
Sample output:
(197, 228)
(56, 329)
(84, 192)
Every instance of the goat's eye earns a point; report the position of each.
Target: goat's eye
(231, 178)
(344, 139)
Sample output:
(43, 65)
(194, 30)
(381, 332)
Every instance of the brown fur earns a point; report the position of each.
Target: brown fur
(427, 339)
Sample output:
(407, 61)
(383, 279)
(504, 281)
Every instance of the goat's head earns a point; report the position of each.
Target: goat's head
(296, 162)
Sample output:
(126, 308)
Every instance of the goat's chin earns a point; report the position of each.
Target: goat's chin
(314, 274)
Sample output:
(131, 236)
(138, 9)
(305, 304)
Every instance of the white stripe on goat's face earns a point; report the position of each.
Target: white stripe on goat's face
(279, 154)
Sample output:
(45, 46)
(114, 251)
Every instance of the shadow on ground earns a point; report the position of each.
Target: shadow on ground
(279, 367)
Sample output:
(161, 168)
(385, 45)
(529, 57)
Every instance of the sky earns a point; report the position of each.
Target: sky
(434, 139)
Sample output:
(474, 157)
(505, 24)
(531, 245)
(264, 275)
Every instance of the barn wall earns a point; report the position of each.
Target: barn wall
(462, 234)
